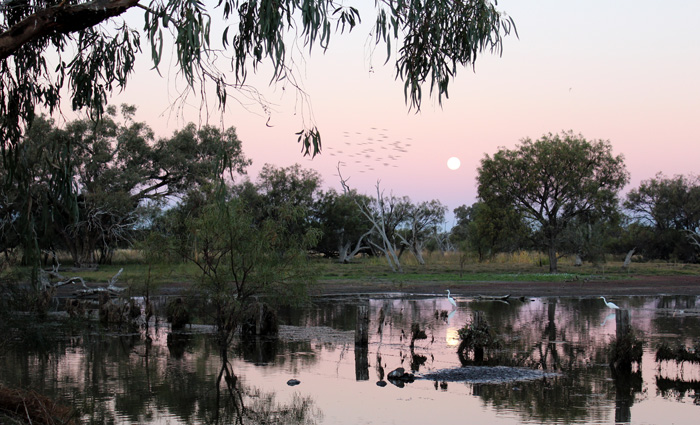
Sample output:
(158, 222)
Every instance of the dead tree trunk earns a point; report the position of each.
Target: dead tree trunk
(628, 259)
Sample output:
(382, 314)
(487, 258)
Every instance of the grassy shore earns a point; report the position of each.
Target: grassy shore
(448, 268)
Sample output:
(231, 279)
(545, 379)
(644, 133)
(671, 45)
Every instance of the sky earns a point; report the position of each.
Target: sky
(618, 70)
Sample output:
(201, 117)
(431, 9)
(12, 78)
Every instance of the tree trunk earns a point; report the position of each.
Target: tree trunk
(416, 249)
(344, 253)
(343, 250)
(418, 253)
(628, 259)
(552, 258)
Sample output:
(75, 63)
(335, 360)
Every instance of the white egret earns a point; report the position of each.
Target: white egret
(450, 299)
(610, 305)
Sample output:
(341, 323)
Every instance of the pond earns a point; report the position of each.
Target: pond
(114, 377)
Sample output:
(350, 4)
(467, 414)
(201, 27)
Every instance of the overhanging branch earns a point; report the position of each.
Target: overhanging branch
(60, 20)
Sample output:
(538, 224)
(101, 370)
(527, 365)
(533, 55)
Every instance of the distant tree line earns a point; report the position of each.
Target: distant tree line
(558, 194)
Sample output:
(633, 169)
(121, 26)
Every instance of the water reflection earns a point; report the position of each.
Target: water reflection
(114, 378)
(184, 377)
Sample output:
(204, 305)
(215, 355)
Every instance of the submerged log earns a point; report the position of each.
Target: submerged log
(493, 297)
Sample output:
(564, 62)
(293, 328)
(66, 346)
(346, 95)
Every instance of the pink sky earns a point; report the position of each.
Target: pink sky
(623, 71)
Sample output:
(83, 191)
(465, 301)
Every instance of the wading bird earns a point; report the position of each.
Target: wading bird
(610, 305)
(450, 299)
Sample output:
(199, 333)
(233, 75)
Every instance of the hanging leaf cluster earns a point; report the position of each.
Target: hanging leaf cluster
(95, 50)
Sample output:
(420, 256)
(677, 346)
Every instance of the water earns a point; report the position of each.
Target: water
(118, 378)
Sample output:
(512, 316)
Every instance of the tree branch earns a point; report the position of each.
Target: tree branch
(60, 20)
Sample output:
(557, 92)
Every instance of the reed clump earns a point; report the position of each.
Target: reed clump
(27, 406)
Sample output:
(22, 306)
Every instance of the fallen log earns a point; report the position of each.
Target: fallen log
(493, 297)
(110, 288)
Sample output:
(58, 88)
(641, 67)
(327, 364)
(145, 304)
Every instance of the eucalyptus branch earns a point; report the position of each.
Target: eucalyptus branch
(61, 19)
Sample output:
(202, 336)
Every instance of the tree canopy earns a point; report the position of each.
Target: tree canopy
(666, 209)
(487, 229)
(95, 47)
(554, 180)
(114, 168)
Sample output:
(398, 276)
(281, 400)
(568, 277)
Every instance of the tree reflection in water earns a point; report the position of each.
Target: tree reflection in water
(238, 404)
(114, 378)
(186, 378)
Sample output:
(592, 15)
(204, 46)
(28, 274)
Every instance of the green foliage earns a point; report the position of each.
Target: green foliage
(241, 259)
(97, 51)
(664, 210)
(340, 221)
(177, 313)
(590, 239)
(173, 222)
(554, 180)
(434, 36)
(487, 229)
(476, 337)
(114, 169)
(282, 194)
(95, 61)
(284, 187)
(422, 223)
(667, 202)
(36, 191)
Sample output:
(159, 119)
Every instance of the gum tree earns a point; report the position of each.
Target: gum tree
(96, 46)
(86, 49)
(242, 258)
(488, 229)
(344, 229)
(666, 209)
(421, 224)
(115, 168)
(554, 180)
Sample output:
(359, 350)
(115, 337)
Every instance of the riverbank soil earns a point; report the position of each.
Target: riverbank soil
(637, 285)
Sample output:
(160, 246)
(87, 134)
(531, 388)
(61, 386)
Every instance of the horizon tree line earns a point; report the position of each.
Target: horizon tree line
(558, 194)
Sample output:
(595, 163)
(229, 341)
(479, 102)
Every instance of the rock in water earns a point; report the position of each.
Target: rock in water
(396, 373)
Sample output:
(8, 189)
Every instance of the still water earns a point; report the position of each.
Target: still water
(116, 378)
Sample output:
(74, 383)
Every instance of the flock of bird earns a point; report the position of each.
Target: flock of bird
(369, 150)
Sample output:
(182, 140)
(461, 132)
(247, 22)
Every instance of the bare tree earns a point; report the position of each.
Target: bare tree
(385, 215)
(443, 241)
(422, 221)
(345, 246)
(694, 237)
(347, 252)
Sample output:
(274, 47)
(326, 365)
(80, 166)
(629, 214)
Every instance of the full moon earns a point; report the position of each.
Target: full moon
(453, 163)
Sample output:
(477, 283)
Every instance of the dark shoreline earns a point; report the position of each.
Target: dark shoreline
(638, 285)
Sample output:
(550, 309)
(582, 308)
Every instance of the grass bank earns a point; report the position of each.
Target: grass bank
(448, 268)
